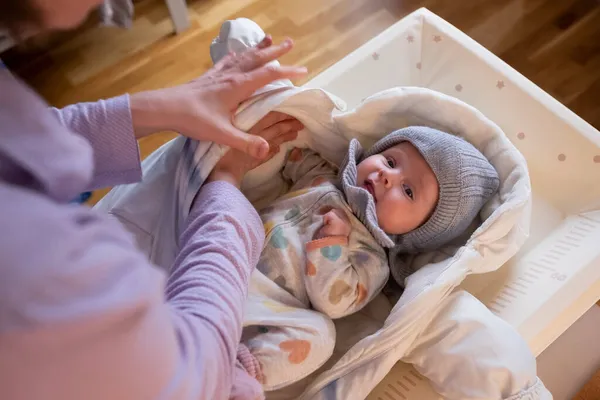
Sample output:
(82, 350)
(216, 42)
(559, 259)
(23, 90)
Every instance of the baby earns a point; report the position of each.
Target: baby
(332, 240)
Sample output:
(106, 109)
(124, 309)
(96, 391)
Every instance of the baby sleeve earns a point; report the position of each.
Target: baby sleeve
(339, 279)
(306, 168)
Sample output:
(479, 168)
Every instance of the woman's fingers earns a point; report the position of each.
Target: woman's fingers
(258, 56)
(253, 145)
(286, 137)
(281, 128)
(266, 74)
(232, 80)
(273, 150)
(254, 57)
(249, 71)
(274, 145)
(272, 118)
(266, 42)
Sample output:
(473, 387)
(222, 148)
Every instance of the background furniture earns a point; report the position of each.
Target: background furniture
(555, 277)
(177, 9)
(179, 14)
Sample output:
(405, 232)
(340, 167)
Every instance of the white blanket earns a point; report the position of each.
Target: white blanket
(451, 338)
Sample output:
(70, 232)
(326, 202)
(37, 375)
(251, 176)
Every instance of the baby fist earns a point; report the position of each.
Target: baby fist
(335, 223)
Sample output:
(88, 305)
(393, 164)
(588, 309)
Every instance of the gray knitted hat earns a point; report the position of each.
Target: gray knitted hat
(466, 180)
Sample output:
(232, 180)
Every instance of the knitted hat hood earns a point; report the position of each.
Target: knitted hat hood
(466, 181)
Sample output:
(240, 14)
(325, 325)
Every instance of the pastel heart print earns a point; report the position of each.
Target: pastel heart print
(332, 253)
(298, 350)
(361, 293)
(295, 155)
(277, 307)
(292, 213)
(278, 239)
(338, 290)
(311, 270)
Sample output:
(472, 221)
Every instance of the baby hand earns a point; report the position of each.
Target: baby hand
(335, 223)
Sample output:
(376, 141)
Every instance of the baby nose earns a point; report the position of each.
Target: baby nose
(384, 176)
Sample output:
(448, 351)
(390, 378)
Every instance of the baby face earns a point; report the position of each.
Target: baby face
(403, 186)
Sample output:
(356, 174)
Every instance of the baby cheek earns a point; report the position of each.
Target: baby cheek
(392, 216)
(364, 168)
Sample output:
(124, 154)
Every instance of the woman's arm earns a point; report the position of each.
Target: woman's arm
(85, 314)
(108, 126)
(201, 109)
(220, 248)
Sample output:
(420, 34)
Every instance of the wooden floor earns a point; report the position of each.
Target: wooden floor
(555, 43)
(591, 390)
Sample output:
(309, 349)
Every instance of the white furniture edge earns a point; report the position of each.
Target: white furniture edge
(490, 58)
(179, 14)
(589, 297)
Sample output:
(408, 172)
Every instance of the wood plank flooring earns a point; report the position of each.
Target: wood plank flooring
(554, 43)
(591, 390)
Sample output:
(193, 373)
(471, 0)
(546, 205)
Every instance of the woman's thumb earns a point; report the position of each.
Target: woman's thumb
(252, 145)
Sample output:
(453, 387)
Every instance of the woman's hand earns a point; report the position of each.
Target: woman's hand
(275, 128)
(203, 109)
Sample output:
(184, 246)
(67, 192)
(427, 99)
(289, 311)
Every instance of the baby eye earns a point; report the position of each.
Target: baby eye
(391, 162)
(408, 191)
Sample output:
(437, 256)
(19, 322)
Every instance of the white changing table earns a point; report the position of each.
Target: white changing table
(555, 277)
(179, 14)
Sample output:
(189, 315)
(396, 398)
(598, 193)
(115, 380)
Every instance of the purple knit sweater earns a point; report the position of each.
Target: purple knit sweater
(83, 315)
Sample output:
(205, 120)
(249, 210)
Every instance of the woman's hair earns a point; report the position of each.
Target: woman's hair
(16, 16)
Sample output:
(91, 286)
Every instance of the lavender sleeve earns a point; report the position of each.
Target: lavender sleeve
(107, 125)
(220, 247)
(90, 318)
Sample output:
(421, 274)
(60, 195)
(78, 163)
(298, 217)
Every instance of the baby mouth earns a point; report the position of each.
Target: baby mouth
(368, 186)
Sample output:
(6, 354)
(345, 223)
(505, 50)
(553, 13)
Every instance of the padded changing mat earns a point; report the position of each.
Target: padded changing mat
(555, 277)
